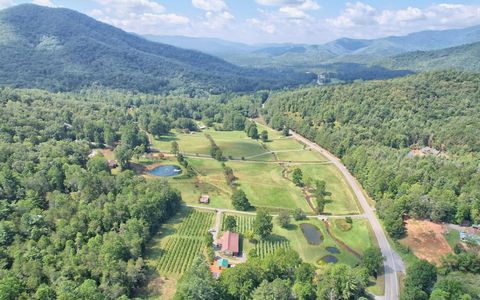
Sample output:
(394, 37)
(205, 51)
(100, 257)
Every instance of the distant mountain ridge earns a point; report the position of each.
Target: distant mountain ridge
(463, 58)
(340, 50)
(61, 49)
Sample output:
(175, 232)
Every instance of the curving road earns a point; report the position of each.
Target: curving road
(393, 263)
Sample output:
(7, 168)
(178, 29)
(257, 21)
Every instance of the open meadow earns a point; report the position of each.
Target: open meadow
(254, 164)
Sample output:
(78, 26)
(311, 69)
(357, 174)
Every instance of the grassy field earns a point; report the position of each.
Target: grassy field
(342, 198)
(359, 237)
(248, 149)
(189, 143)
(314, 253)
(265, 186)
(263, 183)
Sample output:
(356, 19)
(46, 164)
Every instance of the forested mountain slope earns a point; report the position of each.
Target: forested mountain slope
(60, 49)
(466, 58)
(373, 125)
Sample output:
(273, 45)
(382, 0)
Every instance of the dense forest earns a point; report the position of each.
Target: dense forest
(372, 126)
(62, 50)
(278, 276)
(464, 58)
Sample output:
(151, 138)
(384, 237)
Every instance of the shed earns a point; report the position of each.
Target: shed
(205, 199)
(112, 164)
(222, 263)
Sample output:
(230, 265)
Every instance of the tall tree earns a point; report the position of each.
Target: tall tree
(230, 223)
(372, 260)
(297, 177)
(278, 289)
(262, 225)
(240, 200)
(197, 282)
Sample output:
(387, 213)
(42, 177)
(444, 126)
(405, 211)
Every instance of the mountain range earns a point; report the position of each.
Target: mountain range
(61, 49)
(343, 50)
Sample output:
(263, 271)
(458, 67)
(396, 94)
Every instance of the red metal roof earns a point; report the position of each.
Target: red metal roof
(230, 241)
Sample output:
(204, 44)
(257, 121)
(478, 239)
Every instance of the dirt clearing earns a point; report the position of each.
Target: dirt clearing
(426, 240)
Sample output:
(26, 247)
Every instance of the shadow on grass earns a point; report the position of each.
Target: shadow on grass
(291, 227)
(168, 138)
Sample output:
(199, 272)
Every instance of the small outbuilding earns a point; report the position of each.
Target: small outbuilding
(204, 199)
(222, 263)
(229, 243)
(112, 164)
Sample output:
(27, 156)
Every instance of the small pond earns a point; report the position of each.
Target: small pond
(330, 259)
(311, 233)
(333, 250)
(166, 171)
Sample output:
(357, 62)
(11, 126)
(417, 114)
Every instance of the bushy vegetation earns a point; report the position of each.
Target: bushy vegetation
(280, 274)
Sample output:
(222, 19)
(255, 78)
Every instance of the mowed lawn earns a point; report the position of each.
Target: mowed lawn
(314, 253)
(195, 143)
(359, 237)
(342, 200)
(265, 187)
(243, 148)
(210, 181)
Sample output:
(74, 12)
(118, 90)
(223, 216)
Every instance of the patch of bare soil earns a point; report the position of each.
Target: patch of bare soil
(158, 287)
(426, 240)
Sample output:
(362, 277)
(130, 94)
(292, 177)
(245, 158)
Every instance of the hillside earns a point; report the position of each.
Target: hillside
(465, 58)
(60, 49)
(373, 125)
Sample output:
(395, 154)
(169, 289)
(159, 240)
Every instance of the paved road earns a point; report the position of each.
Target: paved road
(393, 263)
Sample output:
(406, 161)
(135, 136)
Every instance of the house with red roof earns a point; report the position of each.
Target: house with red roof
(229, 243)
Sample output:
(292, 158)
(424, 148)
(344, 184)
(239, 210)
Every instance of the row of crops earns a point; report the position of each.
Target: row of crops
(178, 254)
(196, 224)
(269, 247)
(181, 248)
(244, 223)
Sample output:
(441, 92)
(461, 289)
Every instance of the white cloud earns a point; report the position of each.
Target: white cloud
(217, 14)
(264, 26)
(6, 3)
(140, 16)
(362, 20)
(217, 20)
(44, 3)
(131, 6)
(355, 14)
(294, 9)
(210, 5)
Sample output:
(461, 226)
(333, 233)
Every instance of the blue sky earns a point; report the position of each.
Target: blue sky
(275, 21)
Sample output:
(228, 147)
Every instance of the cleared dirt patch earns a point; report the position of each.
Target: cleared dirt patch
(426, 240)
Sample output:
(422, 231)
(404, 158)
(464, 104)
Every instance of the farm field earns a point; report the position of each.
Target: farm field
(173, 248)
(342, 198)
(265, 186)
(261, 179)
(194, 143)
(248, 149)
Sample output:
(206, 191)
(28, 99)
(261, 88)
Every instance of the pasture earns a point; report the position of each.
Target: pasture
(266, 183)
(342, 201)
